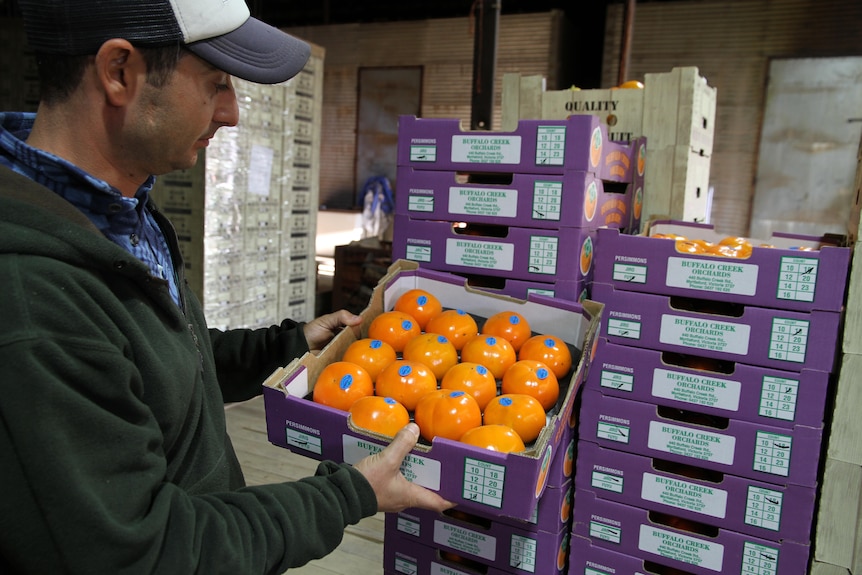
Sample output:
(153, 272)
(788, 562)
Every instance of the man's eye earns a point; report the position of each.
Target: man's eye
(222, 87)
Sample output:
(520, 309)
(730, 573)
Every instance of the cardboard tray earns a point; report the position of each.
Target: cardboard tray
(480, 480)
(578, 143)
(778, 277)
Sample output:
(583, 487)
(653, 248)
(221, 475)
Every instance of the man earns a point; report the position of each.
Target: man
(114, 453)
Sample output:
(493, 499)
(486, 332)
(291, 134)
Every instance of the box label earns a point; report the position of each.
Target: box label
(547, 200)
(483, 202)
(486, 149)
(700, 552)
(712, 275)
(477, 254)
(759, 559)
(616, 380)
(695, 389)
(772, 453)
(303, 440)
(409, 526)
(484, 482)
(788, 339)
(694, 443)
(763, 508)
(778, 397)
(713, 335)
(417, 469)
(602, 530)
(543, 254)
(420, 203)
(522, 554)
(630, 273)
(424, 153)
(437, 569)
(797, 279)
(684, 495)
(607, 481)
(465, 540)
(418, 253)
(550, 145)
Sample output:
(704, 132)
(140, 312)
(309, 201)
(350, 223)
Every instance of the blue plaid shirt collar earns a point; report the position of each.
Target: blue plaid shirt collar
(125, 221)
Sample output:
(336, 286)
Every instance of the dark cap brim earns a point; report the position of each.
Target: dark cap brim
(256, 52)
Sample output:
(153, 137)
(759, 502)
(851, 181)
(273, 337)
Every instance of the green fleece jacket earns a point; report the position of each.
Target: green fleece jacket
(114, 453)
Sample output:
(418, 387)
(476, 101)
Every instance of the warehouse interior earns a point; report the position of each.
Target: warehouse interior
(785, 157)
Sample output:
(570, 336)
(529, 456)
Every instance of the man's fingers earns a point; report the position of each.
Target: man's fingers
(402, 443)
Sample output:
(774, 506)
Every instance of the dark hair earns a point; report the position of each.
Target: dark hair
(60, 75)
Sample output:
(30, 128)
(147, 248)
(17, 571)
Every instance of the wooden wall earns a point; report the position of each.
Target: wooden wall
(528, 43)
(732, 42)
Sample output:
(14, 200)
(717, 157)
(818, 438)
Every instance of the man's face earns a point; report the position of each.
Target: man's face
(169, 125)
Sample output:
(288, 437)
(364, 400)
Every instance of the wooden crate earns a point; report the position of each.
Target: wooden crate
(674, 110)
(838, 535)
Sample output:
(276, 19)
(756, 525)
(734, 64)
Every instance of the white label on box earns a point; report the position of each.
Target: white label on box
(483, 202)
(759, 559)
(303, 440)
(684, 495)
(406, 565)
(260, 170)
(465, 540)
(778, 396)
(616, 380)
(691, 442)
(606, 481)
(547, 200)
(423, 153)
(702, 333)
(612, 533)
(486, 148)
(437, 569)
(409, 526)
(478, 254)
(417, 469)
(798, 279)
(630, 273)
(420, 203)
(763, 507)
(418, 253)
(483, 482)
(696, 389)
(713, 275)
(700, 552)
(522, 553)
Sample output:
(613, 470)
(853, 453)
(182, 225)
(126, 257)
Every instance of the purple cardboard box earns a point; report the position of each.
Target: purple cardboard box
(521, 253)
(738, 391)
(571, 200)
(771, 454)
(476, 479)
(780, 339)
(590, 557)
(539, 553)
(574, 290)
(766, 510)
(579, 143)
(777, 277)
(526, 548)
(673, 542)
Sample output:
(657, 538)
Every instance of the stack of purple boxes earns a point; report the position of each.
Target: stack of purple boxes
(702, 418)
(515, 214)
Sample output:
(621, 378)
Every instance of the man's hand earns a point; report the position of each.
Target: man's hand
(319, 331)
(394, 492)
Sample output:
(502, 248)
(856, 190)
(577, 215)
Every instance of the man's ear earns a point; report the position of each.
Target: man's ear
(119, 70)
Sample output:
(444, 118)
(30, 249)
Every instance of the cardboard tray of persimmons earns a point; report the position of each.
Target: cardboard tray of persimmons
(490, 380)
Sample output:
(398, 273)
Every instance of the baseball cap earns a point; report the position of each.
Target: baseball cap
(222, 32)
